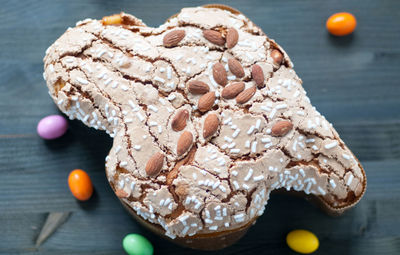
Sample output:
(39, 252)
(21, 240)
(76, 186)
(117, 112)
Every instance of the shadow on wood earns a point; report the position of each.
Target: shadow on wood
(341, 41)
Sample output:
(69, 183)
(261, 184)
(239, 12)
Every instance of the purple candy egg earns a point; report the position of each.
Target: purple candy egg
(52, 127)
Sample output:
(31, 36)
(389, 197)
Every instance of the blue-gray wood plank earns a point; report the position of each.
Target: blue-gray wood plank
(353, 81)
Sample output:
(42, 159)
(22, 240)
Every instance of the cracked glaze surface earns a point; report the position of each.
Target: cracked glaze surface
(122, 79)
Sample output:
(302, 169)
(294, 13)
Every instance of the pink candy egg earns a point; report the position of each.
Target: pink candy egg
(52, 127)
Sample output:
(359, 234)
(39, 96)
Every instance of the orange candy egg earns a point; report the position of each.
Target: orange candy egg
(80, 184)
(342, 23)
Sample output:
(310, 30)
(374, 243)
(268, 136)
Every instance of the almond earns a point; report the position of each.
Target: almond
(155, 163)
(246, 95)
(182, 190)
(214, 37)
(121, 193)
(206, 101)
(198, 87)
(277, 56)
(236, 68)
(211, 124)
(173, 38)
(281, 128)
(184, 143)
(258, 75)
(232, 90)
(179, 121)
(219, 74)
(232, 37)
(115, 19)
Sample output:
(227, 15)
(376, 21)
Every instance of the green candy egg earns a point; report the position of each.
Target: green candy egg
(135, 244)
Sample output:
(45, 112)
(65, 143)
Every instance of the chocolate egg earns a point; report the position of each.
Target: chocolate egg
(302, 241)
(135, 244)
(52, 127)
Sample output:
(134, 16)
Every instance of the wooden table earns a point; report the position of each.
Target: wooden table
(353, 81)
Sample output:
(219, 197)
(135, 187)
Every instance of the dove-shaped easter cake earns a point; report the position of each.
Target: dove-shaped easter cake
(208, 118)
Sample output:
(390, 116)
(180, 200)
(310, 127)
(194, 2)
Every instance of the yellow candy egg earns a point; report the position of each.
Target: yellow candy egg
(302, 241)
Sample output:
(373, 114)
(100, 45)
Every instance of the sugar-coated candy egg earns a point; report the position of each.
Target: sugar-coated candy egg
(302, 241)
(80, 184)
(52, 127)
(135, 244)
(342, 23)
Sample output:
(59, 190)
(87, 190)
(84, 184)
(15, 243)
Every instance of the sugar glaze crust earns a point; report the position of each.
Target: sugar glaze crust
(122, 79)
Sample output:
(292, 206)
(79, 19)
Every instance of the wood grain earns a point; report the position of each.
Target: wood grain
(353, 81)
(53, 222)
